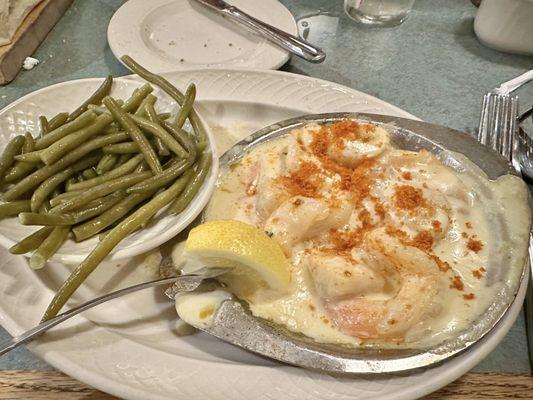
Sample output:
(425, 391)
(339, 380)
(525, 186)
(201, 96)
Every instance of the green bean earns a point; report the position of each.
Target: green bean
(7, 158)
(43, 173)
(158, 143)
(142, 167)
(124, 169)
(102, 91)
(108, 243)
(82, 121)
(150, 99)
(31, 157)
(135, 133)
(49, 246)
(108, 218)
(168, 175)
(169, 89)
(110, 128)
(163, 116)
(161, 133)
(160, 147)
(98, 109)
(102, 110)
(162, 150)
(45, 207)
(185, 110)
(154, 118)
(19, 171)
(104, 234)
(63, 197)
(107, 162)
(69, 182)
(57, 191)
(123, 158)
(89, 173)
(29, 143)
(122, 148)
(49, 185)
(201, 147)
(14, 207)
(31, 242)
(136, 98)
(193, 185)
(183, 138)
(75, 217)
(58, 149)
(103, 189)
(58, 120)
(44, 125)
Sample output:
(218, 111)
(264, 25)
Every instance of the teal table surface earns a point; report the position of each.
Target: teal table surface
(432, 66)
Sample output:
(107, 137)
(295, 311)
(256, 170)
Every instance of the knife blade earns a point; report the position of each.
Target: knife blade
(291, 43)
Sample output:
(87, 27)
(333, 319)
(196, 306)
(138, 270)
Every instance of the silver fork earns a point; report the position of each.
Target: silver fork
(497, 125)
(498, 130)
(181, 283)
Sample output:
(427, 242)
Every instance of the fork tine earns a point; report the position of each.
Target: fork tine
(503, 126)
(482, 129)
(491, 119)
(505, 136)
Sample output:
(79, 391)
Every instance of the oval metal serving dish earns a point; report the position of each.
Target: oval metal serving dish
(233, 323)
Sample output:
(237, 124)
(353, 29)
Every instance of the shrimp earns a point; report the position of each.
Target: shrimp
(358, 143)
(336, 277)
(412, 206)
(261, 183)
(300, 218)
(370, 315)
(299, 148)
(436, 193)
(360, 147)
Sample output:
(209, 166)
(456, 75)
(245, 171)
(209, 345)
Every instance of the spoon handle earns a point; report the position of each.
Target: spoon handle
(185, 283)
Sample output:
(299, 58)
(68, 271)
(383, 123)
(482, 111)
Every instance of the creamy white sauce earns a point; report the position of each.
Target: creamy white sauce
(496, 213)
(199, 309)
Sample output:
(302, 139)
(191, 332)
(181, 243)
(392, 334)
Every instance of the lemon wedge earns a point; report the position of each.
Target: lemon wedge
(255, 259)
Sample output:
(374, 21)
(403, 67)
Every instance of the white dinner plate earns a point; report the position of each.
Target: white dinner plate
(129, 347)
(22, 115)
(171, 35)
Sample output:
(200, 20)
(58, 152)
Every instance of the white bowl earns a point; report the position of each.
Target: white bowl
(22, 115)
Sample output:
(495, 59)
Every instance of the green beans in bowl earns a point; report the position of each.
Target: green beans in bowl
(98, 168)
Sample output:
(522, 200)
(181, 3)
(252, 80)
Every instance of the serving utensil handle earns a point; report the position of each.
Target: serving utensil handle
(289, 42)
(185, 283)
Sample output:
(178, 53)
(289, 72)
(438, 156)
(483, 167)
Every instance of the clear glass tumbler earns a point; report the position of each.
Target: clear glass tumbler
(378, 12)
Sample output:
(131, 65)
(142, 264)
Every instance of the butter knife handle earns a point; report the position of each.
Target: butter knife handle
(293, 44)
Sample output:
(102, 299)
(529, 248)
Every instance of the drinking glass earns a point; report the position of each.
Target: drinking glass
(378, 12)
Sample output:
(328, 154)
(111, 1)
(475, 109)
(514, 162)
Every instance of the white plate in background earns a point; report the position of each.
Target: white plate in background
(171, 35)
